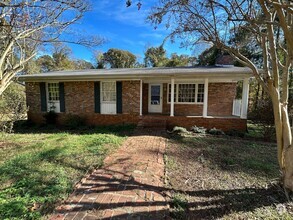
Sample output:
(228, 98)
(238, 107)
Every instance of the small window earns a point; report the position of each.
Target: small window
(53, 97)
(53, 91)
(200, 93)
(109, 91)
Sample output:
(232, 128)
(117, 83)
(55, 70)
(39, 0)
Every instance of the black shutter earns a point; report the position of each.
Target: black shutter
(43, 97)
(97, 97)
(62, 97)
(119, 97)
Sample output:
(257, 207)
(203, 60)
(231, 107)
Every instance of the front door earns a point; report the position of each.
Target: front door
(155, 98)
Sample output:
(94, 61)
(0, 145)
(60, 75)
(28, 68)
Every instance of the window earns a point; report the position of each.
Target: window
(53, 97)
(187, 93)
(109, 91)
(200, 93)
(53, 92)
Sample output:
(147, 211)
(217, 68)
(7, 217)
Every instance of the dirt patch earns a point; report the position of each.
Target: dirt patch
(224, 178)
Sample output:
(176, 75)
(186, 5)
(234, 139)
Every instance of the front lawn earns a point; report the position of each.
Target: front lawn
(221, 177)
(39, 168)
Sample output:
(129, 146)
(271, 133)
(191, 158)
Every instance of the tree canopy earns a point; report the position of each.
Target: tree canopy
(26, 25)
(117, 58)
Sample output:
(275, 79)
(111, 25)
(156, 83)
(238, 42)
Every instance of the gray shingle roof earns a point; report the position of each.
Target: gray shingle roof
(141, 73)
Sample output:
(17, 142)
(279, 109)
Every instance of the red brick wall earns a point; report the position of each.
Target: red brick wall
(79, 97)
(33, 101)
(224, 124)
(130, 97)
(220, 98)
(79, 100)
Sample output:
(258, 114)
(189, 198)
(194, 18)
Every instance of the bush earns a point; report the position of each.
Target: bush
(215, 131)
(178, 129)
(200, 130)
(51, 117)
(74, 121)
(12, 107)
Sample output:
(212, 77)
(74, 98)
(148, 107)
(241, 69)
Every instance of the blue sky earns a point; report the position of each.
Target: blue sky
(124, 28)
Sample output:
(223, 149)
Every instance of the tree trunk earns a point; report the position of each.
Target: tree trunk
(284, 138)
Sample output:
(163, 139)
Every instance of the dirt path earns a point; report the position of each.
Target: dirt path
(129, 186)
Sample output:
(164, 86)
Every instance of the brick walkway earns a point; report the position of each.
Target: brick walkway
(129, 186)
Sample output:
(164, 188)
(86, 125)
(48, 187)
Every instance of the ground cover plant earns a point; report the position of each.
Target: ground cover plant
(224, 177)
(40, 166)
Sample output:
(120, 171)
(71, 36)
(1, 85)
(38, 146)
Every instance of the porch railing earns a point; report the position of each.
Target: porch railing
(237, 103)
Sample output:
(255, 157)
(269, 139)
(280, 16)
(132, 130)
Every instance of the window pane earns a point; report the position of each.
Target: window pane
(200, 93)
(186, 93)
(53, 91)
(155, 95)
(109, 91)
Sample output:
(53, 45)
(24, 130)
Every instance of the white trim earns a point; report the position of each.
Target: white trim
(140, 98)
(205, 99)
(177, 92)
(160, 110)
(56, 103)
(107, 106)
(172, 96)
(245, 95)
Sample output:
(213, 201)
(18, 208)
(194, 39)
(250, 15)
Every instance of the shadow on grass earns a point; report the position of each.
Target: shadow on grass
(212, 203)
(27, 127)
(231, 154)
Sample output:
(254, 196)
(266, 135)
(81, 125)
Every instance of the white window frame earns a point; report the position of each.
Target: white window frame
(57, 102)
(177, 92)
(108, 107)
(101, 92)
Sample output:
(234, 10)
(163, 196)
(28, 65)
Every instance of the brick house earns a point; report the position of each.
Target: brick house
(185, 96)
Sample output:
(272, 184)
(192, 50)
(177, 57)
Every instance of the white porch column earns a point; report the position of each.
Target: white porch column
(172, 97)
(140, 102)
(205, 100)
(245, 95)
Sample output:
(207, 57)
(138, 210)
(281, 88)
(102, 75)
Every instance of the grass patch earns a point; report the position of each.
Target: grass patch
(179, 205)
(225, 178)
(39, 169)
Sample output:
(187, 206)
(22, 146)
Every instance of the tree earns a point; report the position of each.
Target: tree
(61, 56)
(178, 60)
(155, 57)
(119, 58)
(269, 24)
(46, 63)
(209, 56)
(26, 25)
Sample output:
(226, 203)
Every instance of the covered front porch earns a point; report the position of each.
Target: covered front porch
(194, 98)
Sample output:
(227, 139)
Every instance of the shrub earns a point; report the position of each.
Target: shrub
(178, 129)
(215, 131)
(51, 117)
(12, 107)
(200, 130)
(74, 121)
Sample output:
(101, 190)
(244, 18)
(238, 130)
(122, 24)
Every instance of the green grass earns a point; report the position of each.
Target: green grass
(39, 168)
